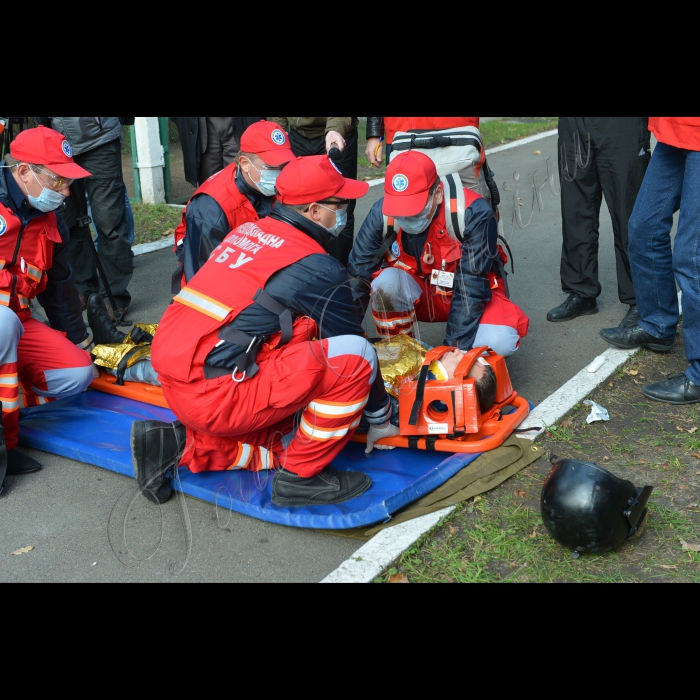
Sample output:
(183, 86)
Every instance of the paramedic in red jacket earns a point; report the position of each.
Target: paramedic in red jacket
(242, 192)
(422, 273)
(672, 183)
(262, 355)
(37, 363)
(381, 131)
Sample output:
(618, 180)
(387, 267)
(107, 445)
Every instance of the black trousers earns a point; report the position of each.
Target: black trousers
(108, 204)
(347, 164)
(614, 168)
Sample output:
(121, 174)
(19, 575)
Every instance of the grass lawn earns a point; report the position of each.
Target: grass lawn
(154, 221)
(500, 537)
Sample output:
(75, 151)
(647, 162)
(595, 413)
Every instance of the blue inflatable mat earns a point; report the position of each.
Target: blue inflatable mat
(95, 428)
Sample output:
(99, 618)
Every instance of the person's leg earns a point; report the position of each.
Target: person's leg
(623, 159)
(347, 163)
(502, 326)
(212, 160)
(226, 127)
(686, 263)
(650, 253)
(50, 366)
(81, 259)
(108, 202)
(581, 197)
(395, 294)
(12, 331)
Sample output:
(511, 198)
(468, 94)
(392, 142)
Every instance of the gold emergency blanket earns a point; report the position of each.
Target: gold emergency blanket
(110, 356)
(399, 357)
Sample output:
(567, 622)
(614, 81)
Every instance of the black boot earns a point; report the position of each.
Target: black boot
(156, 448)
(104, 331)
(3, 456)
(632, 318)
(330, 487)
(636, 337)
(19, 464)
(572, 308)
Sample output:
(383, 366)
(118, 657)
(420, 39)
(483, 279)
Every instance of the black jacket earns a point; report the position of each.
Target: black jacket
(60, 299)
(375, 127)
(188, 128)
(472, 289)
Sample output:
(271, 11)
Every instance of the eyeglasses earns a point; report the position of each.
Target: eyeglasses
(56, 182)
(341, 202)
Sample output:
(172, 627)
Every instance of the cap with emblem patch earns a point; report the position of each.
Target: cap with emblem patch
(46, 147)
(408, 181)
(315, 179)
(269, 142)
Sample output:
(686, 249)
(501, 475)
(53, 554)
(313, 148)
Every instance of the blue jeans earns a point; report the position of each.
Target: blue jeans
(672, 183)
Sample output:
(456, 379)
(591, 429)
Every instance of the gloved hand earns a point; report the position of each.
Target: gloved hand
(377, 432)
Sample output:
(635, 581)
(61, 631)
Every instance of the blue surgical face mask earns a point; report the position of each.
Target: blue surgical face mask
(414, 225)
(268, 180)
(341, 220)
(47, 201)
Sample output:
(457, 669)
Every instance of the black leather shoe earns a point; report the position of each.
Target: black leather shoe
(156, 448)
(635, 337)
(678, 390)
(631, 319)
(104, 331)
(572, 308)
(330, 487)
(19, 464)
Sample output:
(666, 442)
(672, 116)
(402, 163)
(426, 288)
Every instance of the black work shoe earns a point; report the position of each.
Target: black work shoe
(104, 332)
(156, 448)
(572, 308)
(678, 390)
(631, 319)
(635, 337)
(330, 487)
(19, 464)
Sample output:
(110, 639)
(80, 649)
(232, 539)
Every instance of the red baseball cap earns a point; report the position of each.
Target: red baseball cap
(408, 181)
(268, 141)
(46, 147)
(315, 179)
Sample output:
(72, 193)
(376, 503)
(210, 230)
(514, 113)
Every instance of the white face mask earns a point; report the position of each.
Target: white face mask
(47, 201)
(415, 225)
(268, 180)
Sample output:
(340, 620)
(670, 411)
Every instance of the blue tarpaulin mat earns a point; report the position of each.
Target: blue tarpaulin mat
(95, 428)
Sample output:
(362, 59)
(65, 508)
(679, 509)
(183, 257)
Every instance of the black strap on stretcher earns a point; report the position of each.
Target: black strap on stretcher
(246, 364)
(420, 396)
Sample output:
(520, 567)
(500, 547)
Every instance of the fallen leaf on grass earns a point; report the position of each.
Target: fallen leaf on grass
(24, 550)
(533, 536)
(399, 578)
(668, 568)
(632, 372)
(692, 431)
(692, 454)
(452, 530)
(519, 493)
(690, 547)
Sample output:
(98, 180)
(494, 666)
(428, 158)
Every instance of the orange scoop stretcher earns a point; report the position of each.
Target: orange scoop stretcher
(145, 393)
(444, 416)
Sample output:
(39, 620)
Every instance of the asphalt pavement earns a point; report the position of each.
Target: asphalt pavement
(87, 524)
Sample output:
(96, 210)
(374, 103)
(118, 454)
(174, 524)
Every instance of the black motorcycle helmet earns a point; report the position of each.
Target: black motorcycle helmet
(589, 510)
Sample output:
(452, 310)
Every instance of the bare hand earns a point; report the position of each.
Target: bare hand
(334, 139)
(375, 152)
